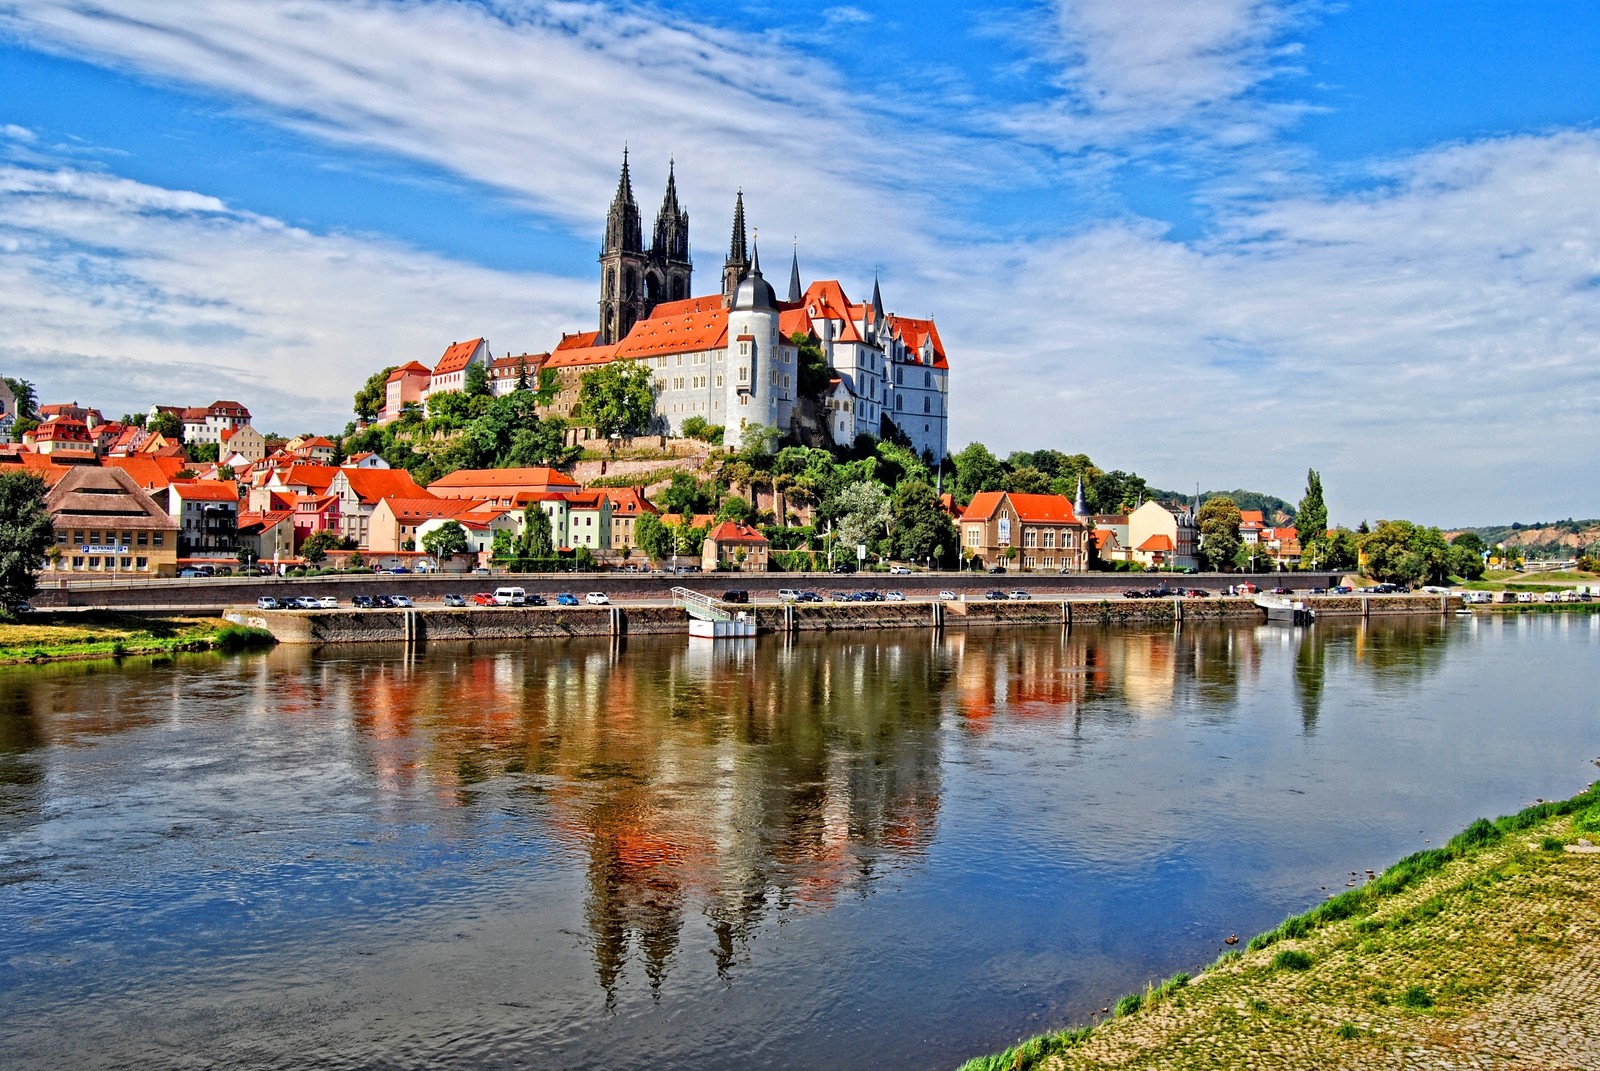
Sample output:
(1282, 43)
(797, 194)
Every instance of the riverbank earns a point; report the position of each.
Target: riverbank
(1484, 953)
(93, 634)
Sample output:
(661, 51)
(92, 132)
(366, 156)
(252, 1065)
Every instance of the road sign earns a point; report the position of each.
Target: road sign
(103, 550)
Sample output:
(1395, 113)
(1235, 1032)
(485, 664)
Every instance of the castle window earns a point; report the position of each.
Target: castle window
(927, 379)
(661, 362)
(680, 360)
(719, 381)
(744, 375)
(927, 405)
(1049, 538)
(744, 348)
(899, 402)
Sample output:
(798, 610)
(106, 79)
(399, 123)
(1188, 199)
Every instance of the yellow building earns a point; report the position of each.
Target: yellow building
(106, 524)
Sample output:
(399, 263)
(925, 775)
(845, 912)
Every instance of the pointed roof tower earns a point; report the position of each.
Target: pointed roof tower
(794, 274)
(672, 222)
(738, 263)
(1080, 505)
(877, 301)
(622, 222)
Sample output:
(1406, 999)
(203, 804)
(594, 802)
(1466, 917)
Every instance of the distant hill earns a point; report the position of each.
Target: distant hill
(1543, 539)
(1274, 510)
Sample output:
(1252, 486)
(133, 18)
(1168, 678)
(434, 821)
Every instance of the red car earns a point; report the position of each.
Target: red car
(483, 598)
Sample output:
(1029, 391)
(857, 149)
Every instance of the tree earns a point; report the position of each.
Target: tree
(446, 541)
(25, 535)
(919, 528)
(166, 425)
(617, 398)
(1466, 555)
(316, 546)
(549, 387)
(685, 495)
(523, 382)
(814, 373)
(373, 395)
(536, 541)
(1219, 533)
(655, 539)
(544, 442)
(1028, 481)
(862, 510)
(1311, 518)
(475, 384)
(204, 453)
(735, 509)
(977, 470)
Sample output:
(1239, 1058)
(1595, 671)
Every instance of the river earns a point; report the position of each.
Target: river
(874, 850)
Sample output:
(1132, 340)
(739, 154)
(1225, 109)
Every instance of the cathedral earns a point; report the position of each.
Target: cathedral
(730, 359)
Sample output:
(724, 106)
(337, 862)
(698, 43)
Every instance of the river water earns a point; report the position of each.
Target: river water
(881, 850)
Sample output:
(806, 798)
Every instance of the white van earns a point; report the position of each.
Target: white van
(510, 597)
(788, 594)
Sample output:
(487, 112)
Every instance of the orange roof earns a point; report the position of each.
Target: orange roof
(1158, 542)
(628, 500)
(264, 520)
(826, 297)
(313, 477)
(1250, 518)
(698, 520)
(536, 476)
(410, 368)
(1102, 536)
(571, 357)
(734, 532)
(915, 332)
(39, 463)
(207, 490)
(1040, 509)
(415, 509)
(148, 470)
(677, 332)
(319, 441)
(371, 485)
(581, 340)
(457, 356)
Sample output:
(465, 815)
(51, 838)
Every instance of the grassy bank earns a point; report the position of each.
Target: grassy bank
(1456, 954)
(46, 637)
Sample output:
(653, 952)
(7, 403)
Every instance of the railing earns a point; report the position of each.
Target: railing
(702, 606)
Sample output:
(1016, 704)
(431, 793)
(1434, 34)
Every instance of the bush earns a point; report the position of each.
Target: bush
(1127, 1005)
(240, 637)
(1291, 960)
(1416, 997)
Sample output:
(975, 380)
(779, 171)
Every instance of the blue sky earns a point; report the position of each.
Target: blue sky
(1214, 241)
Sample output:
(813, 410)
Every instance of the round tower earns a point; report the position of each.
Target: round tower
(752, 355)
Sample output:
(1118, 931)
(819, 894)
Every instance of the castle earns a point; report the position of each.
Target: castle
(728, 358)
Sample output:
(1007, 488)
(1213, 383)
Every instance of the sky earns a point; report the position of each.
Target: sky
(1216, 242)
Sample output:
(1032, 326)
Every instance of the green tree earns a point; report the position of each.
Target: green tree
(543, 442)
(655, 539)
(862, 513)
(814, 373)
(317, 544)
(1028, 481)
(475, 384)
(1218, 522)
(735, 509)
(977, 470)
(374, 393)
(523, 382)
(1311, 518)
(536, 541)
(686, 496)
(617, 398)
(26, 534)
(446, 541)
(755, 444)
(919, 528)
(167, 425)
(204, 453)
(549, 387)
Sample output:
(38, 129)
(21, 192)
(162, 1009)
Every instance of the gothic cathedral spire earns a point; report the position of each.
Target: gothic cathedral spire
(633, 281)
(794, 275)
(737, 266)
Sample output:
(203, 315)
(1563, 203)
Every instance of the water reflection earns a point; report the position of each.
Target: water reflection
(936, 802)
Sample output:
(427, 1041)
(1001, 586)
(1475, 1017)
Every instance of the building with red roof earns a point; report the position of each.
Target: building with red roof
(207, 512)
(500, 487)
(451, 371)
(1163, 536)
(734, 546)
(1024, 531)
(360, 490)
(406, 385)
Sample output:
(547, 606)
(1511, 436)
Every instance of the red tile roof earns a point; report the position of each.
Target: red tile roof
(573, 357)
(580, 341)
(457, 356)
(537, 476)
(410, 368)
(372, 485)
(1156, 543)
(206, 490)
(315, 478)
(734, 532)
(419, 509)
(627, 500)
(677, 332)
(915, 332)
(148, 471)
(1039, 509)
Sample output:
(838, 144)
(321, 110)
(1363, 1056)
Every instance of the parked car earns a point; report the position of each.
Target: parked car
(510, 596)
(535, 599)
(362, 602)
(788, 594)
(190, 572)
(947, 595)
(809, 596)
(899, 569)
(895, 596)
(454, 600)
(399, 569)
(22, 607)
(402, 601)
(844, 567)
(383, 602)
(1342, 589)
(997, 569)
(1198, 593)
(597, 598)
(328, 602)
(996, 595)
(1281, 590)
(736, 595)
(267, 602)
(483, 598)
(306, 602)
(566, 598)
(1019, 595)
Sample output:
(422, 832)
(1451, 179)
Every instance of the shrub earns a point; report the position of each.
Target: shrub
(1416, 997)
(1347, 1032)
(240, 637)
(1291, 960)
(1552, 844)
(1127, 1005)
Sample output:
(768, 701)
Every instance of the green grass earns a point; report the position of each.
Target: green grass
(49, 637)
(1291, 960)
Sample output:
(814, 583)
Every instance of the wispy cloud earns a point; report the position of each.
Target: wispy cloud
(128, 294)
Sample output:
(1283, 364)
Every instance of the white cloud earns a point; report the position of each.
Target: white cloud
(124, 294)
(1430, 346)
(13, 132)
(537, 100)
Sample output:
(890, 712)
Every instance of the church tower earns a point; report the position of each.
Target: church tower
(668, 276)
(623, 264)
(737, 266)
